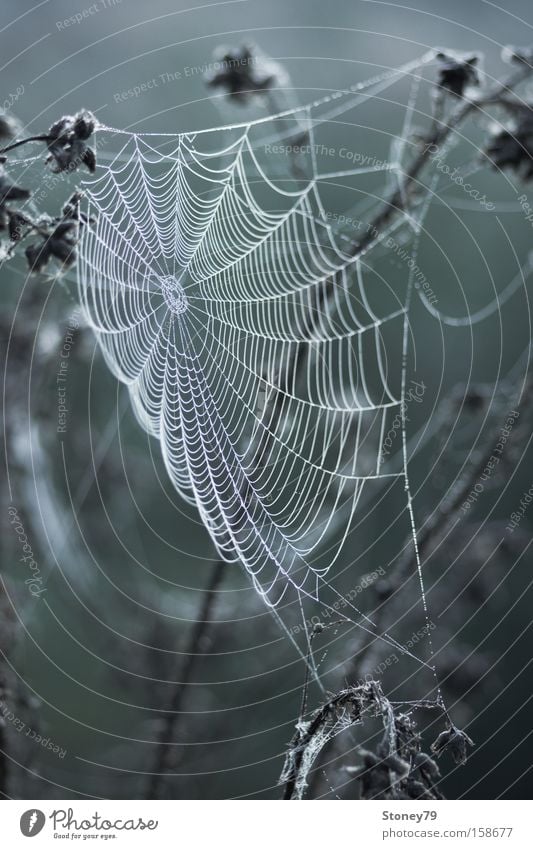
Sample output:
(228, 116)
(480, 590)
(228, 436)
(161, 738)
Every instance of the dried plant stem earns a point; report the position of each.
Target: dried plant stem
(16, 144)
(4, 770)
(434, 528)
(193, 652)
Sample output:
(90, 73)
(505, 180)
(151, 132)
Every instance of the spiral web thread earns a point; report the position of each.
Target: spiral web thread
(201, 278)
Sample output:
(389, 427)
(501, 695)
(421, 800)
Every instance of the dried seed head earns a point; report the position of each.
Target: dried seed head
(67, 148)
(243, 73)
(454, 741)
(457, 74)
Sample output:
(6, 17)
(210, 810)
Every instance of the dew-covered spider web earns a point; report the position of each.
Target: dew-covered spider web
(260, 346)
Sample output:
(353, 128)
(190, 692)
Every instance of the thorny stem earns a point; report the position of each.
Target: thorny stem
(192, 653)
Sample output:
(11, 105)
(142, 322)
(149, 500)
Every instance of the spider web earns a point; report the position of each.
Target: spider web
(268, 361)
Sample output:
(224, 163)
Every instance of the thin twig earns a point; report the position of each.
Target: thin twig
(24, 141)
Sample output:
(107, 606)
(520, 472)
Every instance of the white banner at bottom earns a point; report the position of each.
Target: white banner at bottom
(265, 824)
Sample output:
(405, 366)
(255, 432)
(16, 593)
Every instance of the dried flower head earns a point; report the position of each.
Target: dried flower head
(454, 741)
(514, 149)
(72, 210)
(457, 74)
(67, 144)
(244, 72)
(60, 245)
